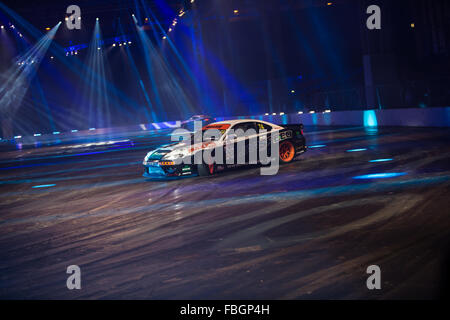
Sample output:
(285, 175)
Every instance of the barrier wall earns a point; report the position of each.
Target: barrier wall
(91, 134)
(427, 117)
(430, 117)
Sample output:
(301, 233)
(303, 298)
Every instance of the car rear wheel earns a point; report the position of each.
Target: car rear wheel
(206, 169)
(287, 151)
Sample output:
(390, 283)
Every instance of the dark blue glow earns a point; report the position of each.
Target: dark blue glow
(357, 150)
(381, 160)
(314, 118)
(44, 186)
(380, 175)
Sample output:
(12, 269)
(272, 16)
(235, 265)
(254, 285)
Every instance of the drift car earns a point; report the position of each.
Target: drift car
(166, 160)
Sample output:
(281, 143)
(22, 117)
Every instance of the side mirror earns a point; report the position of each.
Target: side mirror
(184, 137)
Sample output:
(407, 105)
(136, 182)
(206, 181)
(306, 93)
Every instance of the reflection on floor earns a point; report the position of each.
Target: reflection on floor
(356, 198)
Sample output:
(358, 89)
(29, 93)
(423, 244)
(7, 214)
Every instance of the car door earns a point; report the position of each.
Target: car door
(250, 132)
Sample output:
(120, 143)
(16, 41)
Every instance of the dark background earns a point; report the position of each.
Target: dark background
(273, 56)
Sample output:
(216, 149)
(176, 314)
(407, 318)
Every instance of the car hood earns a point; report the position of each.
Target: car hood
(163, 151)
(179, 147)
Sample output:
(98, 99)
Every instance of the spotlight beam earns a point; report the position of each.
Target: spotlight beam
(141, 83)
(21, 73)
(74, 65)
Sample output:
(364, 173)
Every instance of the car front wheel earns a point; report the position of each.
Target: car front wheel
(206, 169)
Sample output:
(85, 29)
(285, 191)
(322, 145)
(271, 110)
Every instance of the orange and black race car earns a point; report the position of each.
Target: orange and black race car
(226, 144)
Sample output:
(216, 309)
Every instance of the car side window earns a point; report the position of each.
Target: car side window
(245, 126)
(262, 126)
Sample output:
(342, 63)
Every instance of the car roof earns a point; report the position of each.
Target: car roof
(234, 122)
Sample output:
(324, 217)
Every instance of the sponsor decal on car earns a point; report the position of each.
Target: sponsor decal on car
(283, 136)
(204, 145)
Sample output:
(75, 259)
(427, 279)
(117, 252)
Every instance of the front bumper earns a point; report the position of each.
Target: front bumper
(160, 169)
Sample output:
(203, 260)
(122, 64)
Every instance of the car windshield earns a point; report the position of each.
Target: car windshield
(198, 117)
(222, 128)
